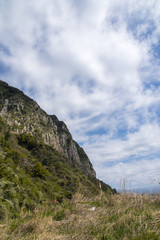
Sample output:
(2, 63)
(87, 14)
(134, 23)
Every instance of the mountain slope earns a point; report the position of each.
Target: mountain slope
(23, 114)
(39, 160)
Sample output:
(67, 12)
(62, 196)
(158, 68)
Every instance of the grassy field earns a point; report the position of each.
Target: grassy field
(119, 216)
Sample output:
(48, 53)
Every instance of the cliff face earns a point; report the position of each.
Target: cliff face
(23, 114)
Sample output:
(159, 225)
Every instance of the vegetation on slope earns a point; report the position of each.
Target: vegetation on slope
(24, 115)
(33, 173)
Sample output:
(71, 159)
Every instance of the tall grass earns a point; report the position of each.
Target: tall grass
(122, 216)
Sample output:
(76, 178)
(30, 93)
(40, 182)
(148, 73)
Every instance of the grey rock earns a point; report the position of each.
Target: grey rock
(23, 114)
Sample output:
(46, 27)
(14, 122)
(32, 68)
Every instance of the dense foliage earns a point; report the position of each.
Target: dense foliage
(33, 173)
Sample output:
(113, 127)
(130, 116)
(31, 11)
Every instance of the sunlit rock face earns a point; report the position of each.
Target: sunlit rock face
(23, 114)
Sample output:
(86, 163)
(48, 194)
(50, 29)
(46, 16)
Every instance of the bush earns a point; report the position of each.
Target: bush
(39, 171)
(27, 140)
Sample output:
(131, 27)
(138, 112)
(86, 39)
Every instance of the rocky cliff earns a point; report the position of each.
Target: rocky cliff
(24, 115)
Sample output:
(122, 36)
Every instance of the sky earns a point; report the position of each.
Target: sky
(95, 64)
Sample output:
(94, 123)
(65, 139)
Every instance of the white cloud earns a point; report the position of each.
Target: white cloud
(141, 143)
(89, 63)
(136, 174)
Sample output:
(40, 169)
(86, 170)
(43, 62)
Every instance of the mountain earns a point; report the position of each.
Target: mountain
(39, 160)
(23, 114)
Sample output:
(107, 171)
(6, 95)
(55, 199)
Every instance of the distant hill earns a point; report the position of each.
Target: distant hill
(39, 160)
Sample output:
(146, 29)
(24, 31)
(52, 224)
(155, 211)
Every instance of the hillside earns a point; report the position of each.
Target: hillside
(39, 160)
(23, 114)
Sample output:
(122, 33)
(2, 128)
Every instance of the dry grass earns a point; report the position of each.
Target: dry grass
(128, 217)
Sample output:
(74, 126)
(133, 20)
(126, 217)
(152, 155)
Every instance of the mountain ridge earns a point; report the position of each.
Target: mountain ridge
(53, 132)
(39, 160)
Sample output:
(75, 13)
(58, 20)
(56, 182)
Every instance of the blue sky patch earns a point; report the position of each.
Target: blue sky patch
(4, 68)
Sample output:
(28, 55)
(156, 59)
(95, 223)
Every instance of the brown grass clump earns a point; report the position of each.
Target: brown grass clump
(127, 217)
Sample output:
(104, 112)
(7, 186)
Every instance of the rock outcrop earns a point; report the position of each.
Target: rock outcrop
(23, 114)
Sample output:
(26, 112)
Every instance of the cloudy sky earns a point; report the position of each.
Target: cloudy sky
(96, 65)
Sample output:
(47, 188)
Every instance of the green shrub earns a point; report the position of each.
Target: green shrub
(27, 140)
(39, 171)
